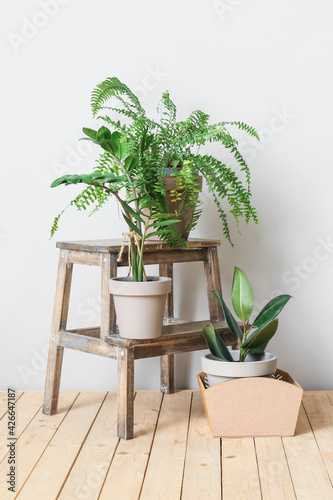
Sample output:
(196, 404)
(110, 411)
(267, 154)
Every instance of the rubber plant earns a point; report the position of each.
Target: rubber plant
(251, 338)
(116, 172)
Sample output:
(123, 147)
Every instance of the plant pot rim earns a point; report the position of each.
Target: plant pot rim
(155, 285)
(249, 368)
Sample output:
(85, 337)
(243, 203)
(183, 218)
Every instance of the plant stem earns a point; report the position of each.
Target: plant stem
(141, 268)
(134, 260)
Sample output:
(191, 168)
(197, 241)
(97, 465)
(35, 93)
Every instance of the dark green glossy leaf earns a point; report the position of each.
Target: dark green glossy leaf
(131, 162)
(59, 180)
(259, 350)
(231, 322)
(103, 134)
(92, 134)
(271, 310)
(109, 146)
(241, 295)
(262, 336)
(215, 344)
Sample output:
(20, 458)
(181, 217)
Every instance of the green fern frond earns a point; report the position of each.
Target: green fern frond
(113, 87)
(249, 130)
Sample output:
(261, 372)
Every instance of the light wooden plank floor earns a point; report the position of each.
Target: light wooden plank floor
(75, 455)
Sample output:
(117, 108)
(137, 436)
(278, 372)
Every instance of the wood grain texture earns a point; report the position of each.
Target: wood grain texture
(68, 455)
(85, 258)
(25, 409)
(275, 479)
(186, 336)
(114, 245)
(60, 310)
(319, 411)
(34, 440)
(167, 363)
(164, 474)
(308, 472)
(174, 332)
(108, 312)
(171, 256)
(240, 477)
(82, 343)
(127, 471)
(213, 282)
(202, 473)
(86, 478)
(166, 270)
(125, 393)
(50, 473)
(167, 367)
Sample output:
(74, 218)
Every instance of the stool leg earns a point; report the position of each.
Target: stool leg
(167, 367)
(213, 282)
(167, 362)
(60, 312)
(125, 398)
(108, 313)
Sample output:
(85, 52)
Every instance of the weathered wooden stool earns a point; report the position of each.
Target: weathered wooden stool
(177, 336)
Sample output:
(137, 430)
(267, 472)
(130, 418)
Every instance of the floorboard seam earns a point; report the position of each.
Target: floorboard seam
(47, 446)
(185, 455)
(115, 451)
(259, 479)
(79, 451)
(291, 477)
(321, 456)
(151, 446)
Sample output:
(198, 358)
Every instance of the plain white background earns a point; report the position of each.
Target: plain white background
(266, 63)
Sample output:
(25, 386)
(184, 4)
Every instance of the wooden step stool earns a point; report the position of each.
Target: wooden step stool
(177, 336)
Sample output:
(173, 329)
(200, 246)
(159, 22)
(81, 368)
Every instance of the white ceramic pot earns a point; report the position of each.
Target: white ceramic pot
(140, 305)
(255, 365)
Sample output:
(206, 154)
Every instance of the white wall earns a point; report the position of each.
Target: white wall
(265, 63)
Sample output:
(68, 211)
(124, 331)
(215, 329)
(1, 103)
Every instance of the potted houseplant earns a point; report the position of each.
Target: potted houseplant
(139, 299)
(170, 151)
(250, 360)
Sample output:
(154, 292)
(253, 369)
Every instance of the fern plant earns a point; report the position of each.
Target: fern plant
(167, 146)
(138, 152)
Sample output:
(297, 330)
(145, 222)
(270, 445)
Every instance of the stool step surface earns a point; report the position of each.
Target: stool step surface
(114, 245)
(174, 331)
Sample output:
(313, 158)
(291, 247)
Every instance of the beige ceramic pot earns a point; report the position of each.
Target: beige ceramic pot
(140, 305)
